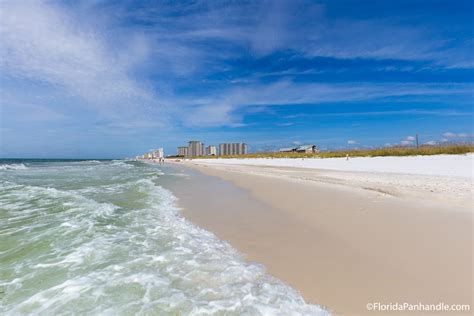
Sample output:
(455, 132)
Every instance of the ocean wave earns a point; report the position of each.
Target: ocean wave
(121, 163)
(15, 166)
(18, 198)
(125, 249)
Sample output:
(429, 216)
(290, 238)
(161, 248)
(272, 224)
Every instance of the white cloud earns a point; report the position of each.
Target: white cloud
(263, 27)
(409, 140)
(212, 114)
(266, 27)
(96, 65)
(351, 142)
(218, 107)
(431, 142)
(449, 135)
(42, 43)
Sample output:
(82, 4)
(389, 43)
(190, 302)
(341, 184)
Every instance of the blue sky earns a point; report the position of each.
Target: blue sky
(117, 78)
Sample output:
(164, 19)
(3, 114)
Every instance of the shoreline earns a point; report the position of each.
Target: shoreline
(351, 247)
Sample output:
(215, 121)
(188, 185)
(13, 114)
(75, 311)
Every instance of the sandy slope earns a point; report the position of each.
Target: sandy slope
(436, 179)
(345, 238)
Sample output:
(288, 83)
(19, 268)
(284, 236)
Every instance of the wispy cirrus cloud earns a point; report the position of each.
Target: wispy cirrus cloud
(47, 45)
(51, 44)
(219, 108)
(302, 26)
(132, 68)
(201, 36)
(454, 135)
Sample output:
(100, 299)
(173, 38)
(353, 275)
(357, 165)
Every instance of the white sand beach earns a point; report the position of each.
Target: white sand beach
(446, 179)
(377, 230)
(442, 165)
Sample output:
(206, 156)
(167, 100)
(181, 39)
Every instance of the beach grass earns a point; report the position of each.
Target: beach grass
(452, 149)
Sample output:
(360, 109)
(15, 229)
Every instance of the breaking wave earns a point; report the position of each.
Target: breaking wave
(16, 166)
(121, 247)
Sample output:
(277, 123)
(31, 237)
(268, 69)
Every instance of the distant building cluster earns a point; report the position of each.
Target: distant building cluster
(155, 154)
(196, 148)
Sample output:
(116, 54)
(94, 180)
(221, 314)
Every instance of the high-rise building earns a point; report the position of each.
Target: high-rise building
(183, 151)
(232, 149)
(159, 153)
(211, 151)
(195, 148)
(223, 149)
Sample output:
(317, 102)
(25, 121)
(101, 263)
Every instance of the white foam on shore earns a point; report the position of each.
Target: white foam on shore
(115, 243)
(15, 166)
(437, 165)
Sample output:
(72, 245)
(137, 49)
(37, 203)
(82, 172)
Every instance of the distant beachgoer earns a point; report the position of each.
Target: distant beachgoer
(347, 157)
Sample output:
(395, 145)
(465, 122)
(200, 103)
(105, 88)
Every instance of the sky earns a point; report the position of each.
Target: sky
(112, 79)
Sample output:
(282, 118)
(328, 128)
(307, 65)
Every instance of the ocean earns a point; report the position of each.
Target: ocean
(106, 237)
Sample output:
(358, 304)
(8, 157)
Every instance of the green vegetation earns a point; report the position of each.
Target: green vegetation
(452, 149)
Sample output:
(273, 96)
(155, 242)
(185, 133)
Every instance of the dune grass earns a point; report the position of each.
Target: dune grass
(453, 149)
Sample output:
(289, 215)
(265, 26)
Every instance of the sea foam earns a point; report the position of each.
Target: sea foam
(118, 245)
(16, 166)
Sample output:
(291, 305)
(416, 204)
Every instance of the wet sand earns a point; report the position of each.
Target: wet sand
(341, 246)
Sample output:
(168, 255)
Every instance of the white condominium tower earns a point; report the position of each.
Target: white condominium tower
(211, 150)
(183, 151)
(232, 149)
(195, 148)
(159, 153)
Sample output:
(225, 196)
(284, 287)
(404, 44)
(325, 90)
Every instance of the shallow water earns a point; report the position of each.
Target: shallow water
(106, 237)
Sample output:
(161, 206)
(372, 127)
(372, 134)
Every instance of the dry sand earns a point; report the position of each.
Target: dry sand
(340, 242)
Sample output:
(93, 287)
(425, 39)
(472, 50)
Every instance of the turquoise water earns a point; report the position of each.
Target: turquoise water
(106, 237)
